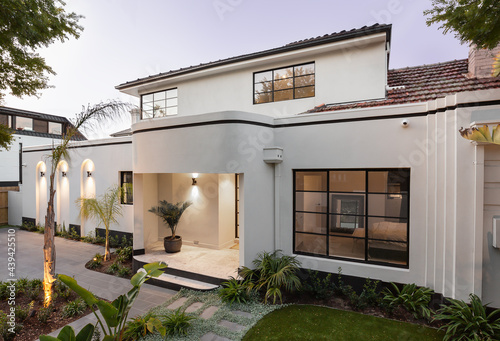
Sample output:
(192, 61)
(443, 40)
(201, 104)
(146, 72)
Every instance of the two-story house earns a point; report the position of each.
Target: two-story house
(317, 149)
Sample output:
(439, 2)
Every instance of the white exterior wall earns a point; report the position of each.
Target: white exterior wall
(107, 161)
(346, 71)
(9, 159)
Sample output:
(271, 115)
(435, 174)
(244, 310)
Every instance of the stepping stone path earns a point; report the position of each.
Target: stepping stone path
(208, 313)
(177, 304)
(213, 337)
(193, 307)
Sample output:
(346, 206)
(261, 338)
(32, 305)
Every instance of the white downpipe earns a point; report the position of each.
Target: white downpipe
(277, 180)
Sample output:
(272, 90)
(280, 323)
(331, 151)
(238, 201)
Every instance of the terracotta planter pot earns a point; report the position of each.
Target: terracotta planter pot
(172, 245)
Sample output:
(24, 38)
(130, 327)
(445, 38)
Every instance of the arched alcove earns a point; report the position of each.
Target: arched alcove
(62, 194)
(87, 189)
(41, 192)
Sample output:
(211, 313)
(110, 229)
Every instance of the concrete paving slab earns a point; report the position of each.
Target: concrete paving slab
(241, 313)
(177, 303)
(213, 337)
(235, 327)
(209, 312)
(193, 307)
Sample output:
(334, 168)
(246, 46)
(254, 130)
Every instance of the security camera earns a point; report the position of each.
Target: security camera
(405, 123)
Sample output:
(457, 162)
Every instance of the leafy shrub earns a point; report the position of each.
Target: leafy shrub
(62, 290)
(43, 314)
(177, 322)
(412, 298)
(89, 238)
(22, 313)
(74, 235)
(74, 308)
(317, 286)
(113, 268)
(273, 272)
(21, 285)
(4, 327)
(370, 295)
(234, 291)
(124, 253)
(123, 271)
(4, 290)
(33, 293)
(464, 322)
(141, 326)
(96, 262)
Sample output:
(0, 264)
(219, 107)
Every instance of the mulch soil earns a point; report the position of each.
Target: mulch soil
(104, 268)
(32, 328)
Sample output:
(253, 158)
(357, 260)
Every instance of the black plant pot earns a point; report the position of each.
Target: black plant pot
(172, 245)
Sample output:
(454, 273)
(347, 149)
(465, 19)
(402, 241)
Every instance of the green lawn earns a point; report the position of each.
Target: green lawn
(306, 322)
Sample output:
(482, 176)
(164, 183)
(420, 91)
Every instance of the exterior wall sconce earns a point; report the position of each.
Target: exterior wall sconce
(194, 182)
(89, 174)
(42, 174)
(63, 174)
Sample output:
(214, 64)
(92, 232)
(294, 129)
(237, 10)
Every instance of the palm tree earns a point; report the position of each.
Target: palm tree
(482, 134)
(89, 117)
(105, 209)
(170, 213)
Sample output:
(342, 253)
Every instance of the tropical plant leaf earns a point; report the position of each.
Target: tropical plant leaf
(67, 334)
(109, 312)
(86, 333)
(87, 296)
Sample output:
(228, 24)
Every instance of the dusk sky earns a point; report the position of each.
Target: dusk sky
(128, 39)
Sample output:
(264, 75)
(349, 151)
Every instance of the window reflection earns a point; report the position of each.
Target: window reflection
(284, 84)
(159, 104)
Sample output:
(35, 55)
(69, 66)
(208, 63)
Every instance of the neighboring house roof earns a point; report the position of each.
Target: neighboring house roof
(125, 132)
(301, 44)
(421, 84)
(40, 116)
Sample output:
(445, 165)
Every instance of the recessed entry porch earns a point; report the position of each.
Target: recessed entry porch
(209, 227)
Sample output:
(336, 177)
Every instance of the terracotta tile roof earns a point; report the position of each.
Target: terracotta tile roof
(300, 44)
(421, 84)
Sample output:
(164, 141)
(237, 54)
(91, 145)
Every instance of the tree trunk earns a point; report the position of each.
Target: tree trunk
(106, 246)
(49, 248)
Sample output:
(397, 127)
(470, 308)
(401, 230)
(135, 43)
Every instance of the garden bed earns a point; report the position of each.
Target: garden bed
(29, 310)
(107, 266)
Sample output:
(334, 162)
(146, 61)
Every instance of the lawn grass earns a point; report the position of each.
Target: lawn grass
(307, 322)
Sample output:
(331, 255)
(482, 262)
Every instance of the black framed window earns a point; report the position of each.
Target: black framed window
(355, 214)
(285, 83)
(126, 183)
(159, 104)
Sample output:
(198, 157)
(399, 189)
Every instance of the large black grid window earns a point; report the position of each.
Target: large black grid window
(360, 215)
(283, 84)
(159, 104)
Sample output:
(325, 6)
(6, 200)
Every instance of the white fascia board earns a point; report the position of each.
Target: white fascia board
(96, 142)
(283, 57)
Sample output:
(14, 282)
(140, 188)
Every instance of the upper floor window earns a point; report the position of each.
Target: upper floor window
(24, 123)
(283, 84)
(6, 120)
(55, 128)
(159, 104)
(359, 215)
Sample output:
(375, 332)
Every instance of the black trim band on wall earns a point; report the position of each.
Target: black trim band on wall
(9, 184)
(344, 120)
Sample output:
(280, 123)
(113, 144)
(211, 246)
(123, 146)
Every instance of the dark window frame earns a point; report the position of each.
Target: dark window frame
(166, 107)
(125, 197)
(365, 216)
(293, 88)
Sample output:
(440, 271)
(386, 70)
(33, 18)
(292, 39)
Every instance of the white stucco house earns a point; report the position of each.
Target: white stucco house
(29, 129)
(314, 148)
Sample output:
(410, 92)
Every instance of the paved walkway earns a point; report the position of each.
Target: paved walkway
(71, 257)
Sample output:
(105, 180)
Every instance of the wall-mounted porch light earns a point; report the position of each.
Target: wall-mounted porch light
(42, 174)
(63, 174)
(89, 174)
(195, 175)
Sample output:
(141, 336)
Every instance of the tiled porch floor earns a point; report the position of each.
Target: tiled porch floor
(215, 263)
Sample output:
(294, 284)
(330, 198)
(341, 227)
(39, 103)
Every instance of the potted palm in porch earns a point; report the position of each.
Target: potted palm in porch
(171, 214)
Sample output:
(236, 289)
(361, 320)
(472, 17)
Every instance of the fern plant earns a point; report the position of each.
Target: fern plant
(177, 322)
(141, 326)
(469, 322)
(413, 298)
(234, 291)
(273, 272)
